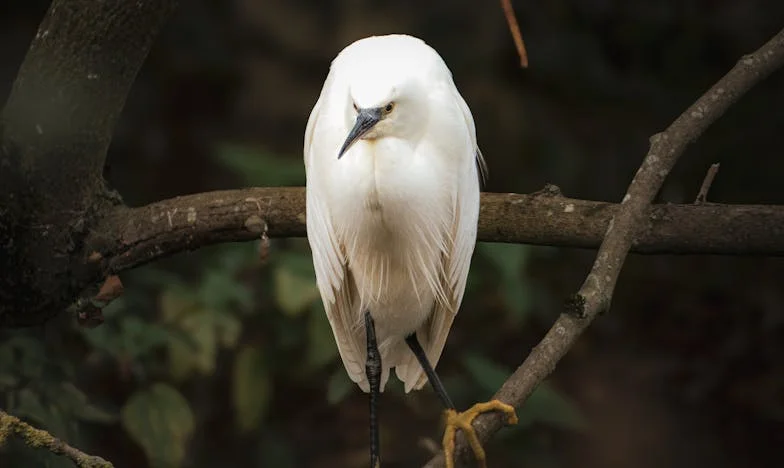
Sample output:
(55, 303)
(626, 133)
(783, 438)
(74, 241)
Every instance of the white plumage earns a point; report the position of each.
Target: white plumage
(392, 223)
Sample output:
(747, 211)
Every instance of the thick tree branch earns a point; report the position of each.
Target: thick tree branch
(134, 236)
(629, 222)
(11, 425)
(56, 127)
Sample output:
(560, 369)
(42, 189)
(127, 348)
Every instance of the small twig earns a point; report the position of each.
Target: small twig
(514, 28)
(264, 246)
(629, 222)
(702, 195)
(11, 425)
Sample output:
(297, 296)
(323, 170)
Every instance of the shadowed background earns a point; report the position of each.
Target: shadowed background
(213, 359)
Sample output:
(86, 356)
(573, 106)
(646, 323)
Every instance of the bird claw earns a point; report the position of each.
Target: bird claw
(455, 421)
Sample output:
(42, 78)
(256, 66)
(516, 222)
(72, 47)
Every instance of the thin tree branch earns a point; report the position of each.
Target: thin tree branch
(702, 195)
(133, 236)
(629, 221)
(514, 28)
(11, 425)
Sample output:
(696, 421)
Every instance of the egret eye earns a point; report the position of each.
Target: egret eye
(389, 107)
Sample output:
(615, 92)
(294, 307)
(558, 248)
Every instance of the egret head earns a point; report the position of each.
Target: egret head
(388, 81)
(383, 108)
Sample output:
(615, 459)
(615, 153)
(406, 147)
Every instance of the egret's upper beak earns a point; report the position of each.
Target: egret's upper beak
(366, 119)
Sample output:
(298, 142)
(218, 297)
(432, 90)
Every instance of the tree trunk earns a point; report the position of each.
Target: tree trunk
(56, 128)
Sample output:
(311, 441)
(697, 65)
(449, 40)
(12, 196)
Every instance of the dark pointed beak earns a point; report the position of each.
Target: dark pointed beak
(366, 119)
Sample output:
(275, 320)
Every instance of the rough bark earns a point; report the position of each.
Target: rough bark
(134, 236)
(56, 127)
(11, 426)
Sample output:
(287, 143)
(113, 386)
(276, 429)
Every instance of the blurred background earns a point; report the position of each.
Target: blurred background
(213, 359)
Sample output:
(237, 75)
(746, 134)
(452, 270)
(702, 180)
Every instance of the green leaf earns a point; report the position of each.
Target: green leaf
(321, 342)
(338, 386)
(195, 351)
(175, 304)
(227, 330)
(546, 405)
(252, 387)
(104, 339)
(201, 329)
(28, 405)
(508, 258)
(299, 263)
(261, 168)
(233, 258)
(160, 420)
(221, 292)
(489, 375)
(139, 337)
(32, 406)
(294, 292)
(60, 424)
(75, 402)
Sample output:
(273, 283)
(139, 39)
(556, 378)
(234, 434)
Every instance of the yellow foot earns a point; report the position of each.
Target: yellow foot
(455, 421)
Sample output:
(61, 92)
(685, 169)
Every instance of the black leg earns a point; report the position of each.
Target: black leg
(373, 373)
(416, 348)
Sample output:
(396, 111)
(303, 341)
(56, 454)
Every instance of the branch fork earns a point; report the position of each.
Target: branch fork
(627, 224)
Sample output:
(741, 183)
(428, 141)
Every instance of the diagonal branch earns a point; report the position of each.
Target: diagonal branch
(629, 222)
(11, 425)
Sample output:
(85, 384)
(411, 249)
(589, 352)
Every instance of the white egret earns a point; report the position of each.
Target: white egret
(393, 173)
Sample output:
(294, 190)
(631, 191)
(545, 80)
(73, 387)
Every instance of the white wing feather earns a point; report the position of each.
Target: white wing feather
(332, 277)
(456, 264)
